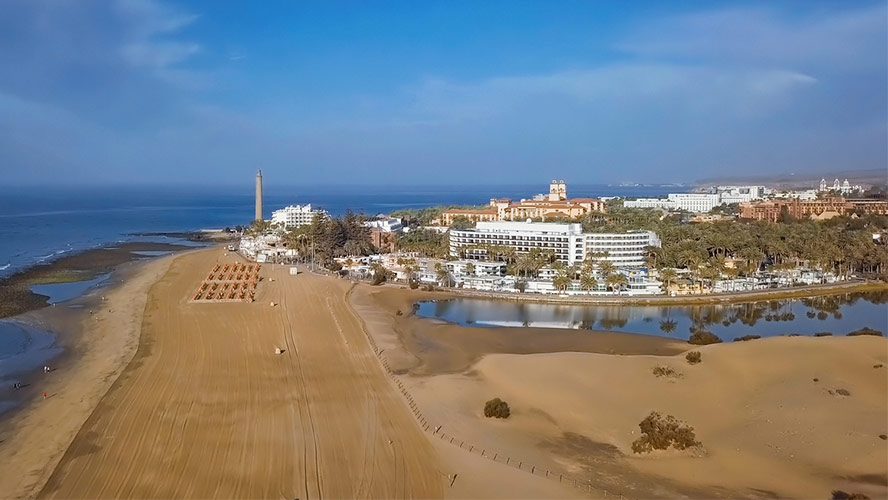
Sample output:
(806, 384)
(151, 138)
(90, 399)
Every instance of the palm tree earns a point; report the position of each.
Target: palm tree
(606, 267)
(562, 277)
(470, 269)
(587, 280)
(667, 277)
(443, 275)
(653, 257)
(616, 281)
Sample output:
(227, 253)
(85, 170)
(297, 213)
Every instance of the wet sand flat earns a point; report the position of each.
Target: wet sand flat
(207, 409)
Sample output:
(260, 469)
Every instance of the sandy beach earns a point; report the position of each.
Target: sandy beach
(207, 409)
(35, 436)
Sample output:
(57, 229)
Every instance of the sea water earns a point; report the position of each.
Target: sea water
(23, 348)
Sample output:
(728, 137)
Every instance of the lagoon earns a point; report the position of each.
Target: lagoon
(60, 292)
(836, 314)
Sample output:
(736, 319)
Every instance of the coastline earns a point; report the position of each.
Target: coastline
(16, 297)
(95, 350)
(715, 298)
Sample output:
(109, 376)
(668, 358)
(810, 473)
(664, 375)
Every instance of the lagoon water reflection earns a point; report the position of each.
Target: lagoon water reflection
(838, 314)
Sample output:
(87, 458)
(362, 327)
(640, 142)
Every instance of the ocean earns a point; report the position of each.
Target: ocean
(39, 224)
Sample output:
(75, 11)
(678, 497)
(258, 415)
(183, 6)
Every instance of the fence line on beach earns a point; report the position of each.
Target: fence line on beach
(551, 474)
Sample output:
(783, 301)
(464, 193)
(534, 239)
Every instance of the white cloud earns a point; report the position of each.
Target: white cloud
(825, 39)
(628, 85)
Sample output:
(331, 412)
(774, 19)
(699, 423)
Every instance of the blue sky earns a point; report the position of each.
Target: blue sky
(154, 91)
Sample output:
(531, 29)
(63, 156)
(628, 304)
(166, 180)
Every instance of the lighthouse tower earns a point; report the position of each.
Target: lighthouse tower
(259, 195)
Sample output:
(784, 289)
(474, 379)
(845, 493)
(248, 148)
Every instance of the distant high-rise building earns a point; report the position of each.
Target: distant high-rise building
(259, 195)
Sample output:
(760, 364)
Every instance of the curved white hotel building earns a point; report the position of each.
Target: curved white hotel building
(568, 241)
(295, 215)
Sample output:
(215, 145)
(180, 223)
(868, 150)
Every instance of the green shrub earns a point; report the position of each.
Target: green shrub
(702, 337)
(747, 337)
(841, 495)
(660, 433)
(866, 331)
(822, 334)
(665, 371)
(413, 284)
(496, 408)
(843, 392)
(694, 357)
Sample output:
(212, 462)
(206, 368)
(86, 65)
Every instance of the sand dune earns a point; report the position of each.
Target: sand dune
(207, 409)
(766, 426)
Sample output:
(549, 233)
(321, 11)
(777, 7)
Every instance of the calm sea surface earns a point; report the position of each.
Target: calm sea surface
(837, 314)
(40, 224)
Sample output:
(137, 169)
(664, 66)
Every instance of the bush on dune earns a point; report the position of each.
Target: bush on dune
(866, 331)
(496, 408)
(842, 495)
(665, 371)
(702, 337)
(747, 337)
(694, 357)
(660, 433)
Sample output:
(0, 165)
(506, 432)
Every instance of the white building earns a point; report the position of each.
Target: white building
(691, 202)
(804, 195)
(478, 268)
(296, 215)
(739, 194)
(650, 203)
(568, 242)
(695, 202)
(842, 188)
(385, 224)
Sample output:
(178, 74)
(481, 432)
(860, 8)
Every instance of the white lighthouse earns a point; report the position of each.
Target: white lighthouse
(259, 195)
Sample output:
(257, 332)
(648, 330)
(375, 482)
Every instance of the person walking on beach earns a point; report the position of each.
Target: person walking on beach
(44, 395)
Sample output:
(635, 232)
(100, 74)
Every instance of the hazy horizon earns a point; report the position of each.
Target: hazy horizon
(438, 93)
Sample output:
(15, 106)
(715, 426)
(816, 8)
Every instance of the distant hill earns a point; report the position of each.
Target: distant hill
(802, 179)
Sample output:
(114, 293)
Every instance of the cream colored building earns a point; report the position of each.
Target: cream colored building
(555, 205)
